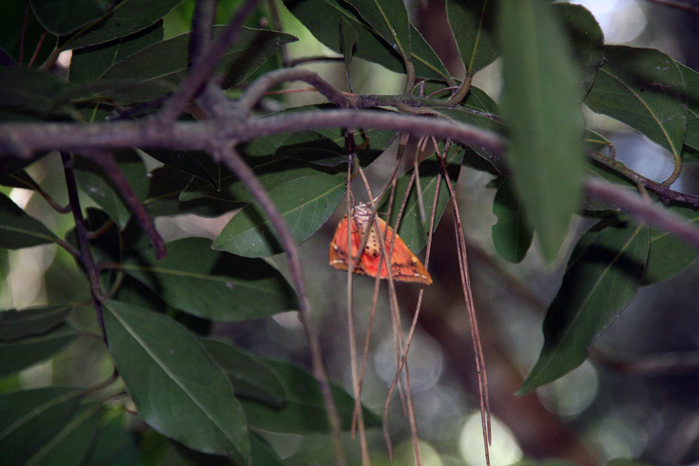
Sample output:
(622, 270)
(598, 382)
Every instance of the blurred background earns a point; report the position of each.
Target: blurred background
(636, 397)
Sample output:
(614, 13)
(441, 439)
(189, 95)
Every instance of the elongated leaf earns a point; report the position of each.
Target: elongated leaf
(511, 234)
(644, 89)
(349, 41)
(539, 105)
(250, 377)
(90, 63)
(599, 283)
(411, 230)
(263, 454)
(129, 17)
(389, 19)
(166, 185)
(194, 163)
(587, 40)
(30, 93)
(18, 230)
(303, 410)
(61, 17)
(668, 254)
(178, 390)
(167, 62)
(304, 202)
(471, 23)
(211, 284)
(18, 355)
(28, 417)
(369, 45)
(73, 442)
(97, 184)
(34, 321)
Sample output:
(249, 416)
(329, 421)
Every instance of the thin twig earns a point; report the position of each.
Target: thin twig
(204, 68)
(83, 243)
(202, 30)
(109, 165)
(245, 174)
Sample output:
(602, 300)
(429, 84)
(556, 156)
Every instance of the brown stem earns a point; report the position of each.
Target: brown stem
(245, 174)
(83, 244)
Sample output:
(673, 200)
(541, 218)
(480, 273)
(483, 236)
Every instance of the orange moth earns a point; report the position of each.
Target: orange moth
(405, 266)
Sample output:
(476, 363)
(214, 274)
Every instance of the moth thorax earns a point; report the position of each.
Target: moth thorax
(362, 214)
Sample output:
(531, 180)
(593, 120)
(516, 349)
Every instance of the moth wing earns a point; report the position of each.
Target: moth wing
(338, 255)
(405, 266)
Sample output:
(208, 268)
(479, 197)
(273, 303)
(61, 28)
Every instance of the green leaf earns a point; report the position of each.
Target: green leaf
(349, 41)
(511, 234)
(263, 454)
(73, 442)
(389, 19)
(668, 254)
(411, 230)
(29, 417)
(21, 31)
(250, 377)
(323, 19)
(472, 23)
(644, 89)
(196, 163)
(166, 185)
(545, 122)
(18, 355)
(312, 147)
(587, 40)
(30, 93)
(211, 284)
(305, 198)
(90, 63)
(18, 230)
(33, 321)
(96, 183)
(114, 446)
(176, 387)
(130, 16)
(166, 63)
(603, 276)
(61, 17)
(303, 410)
(691, 81)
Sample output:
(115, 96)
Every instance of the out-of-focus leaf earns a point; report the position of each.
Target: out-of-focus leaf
(471, 23)
(644, 89)
(669, 255)
(602, 278)
(73, 442)
(167, 62)
(97, 184)
(28, 417)
(511, 234)
(211, 284)
(129, 17)
(18, 230)
(263, 454)
(540, 106)
(322, 18)
(250, 377)
(89, 63)
(412, 230)
(178, 390)
(18, 355)
(61, 17)
(587, 40)
(305, 199)
(303, 410)
(30, 92)
(15, 324)
(114, 446)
